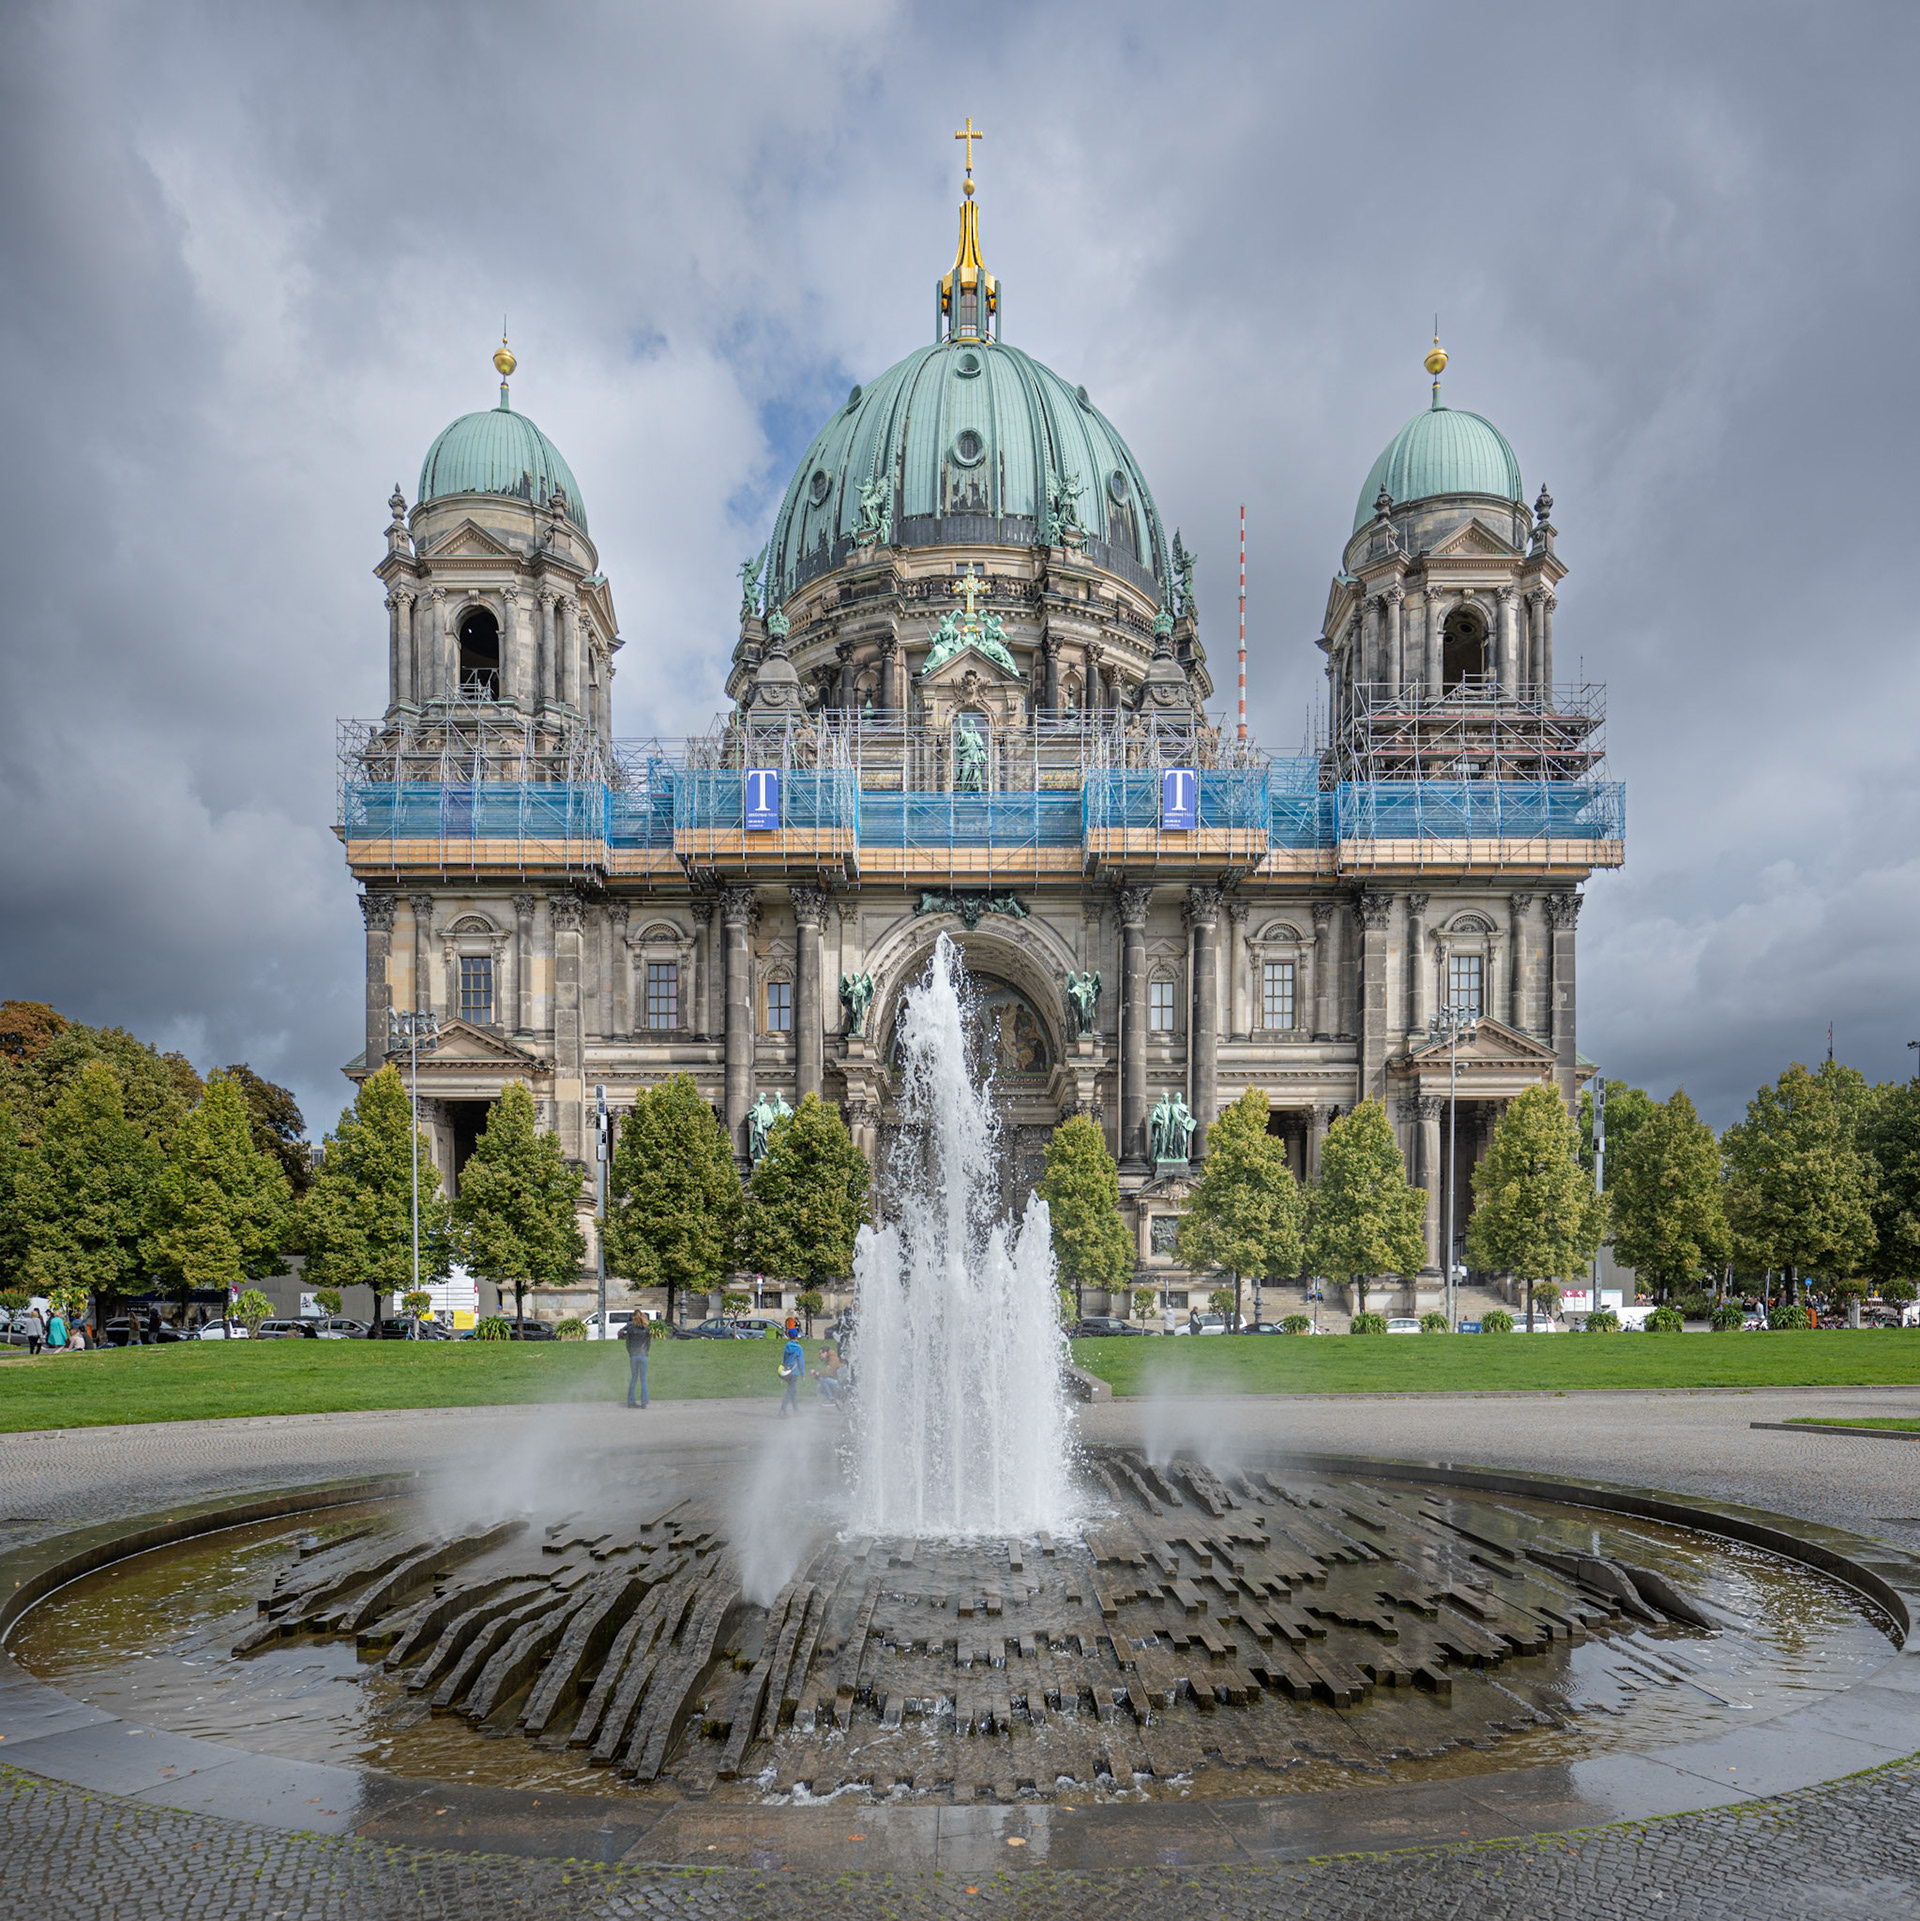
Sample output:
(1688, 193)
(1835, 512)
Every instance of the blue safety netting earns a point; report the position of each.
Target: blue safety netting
(494, 810)
(1480, 810)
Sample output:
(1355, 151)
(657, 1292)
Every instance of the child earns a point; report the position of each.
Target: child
(793, 1369)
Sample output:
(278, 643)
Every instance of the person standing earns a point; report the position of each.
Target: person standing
(638, 1335)
(56, 1329)
(793, 1370)
(153, 1323)
(36, 1331)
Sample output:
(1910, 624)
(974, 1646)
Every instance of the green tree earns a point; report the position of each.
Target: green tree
(1535, 1213)
(1081, 1188)
(1628, 1109)
(673, 1193)
(516, 1218)
(807, 1199)
(14, 1159)
(250, 1310)
(220, 1210)
(1363, 1219)
(357, 1221)
(82, 1194)
(157, 1091)
(1665, 1197)
(1245, 1214)
(1800, 1186)
(1893, 1138)
(279, 1128)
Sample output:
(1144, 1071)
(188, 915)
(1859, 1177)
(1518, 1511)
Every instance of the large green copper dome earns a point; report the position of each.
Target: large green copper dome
(968, 432)
(499, 452)
(1441, 451)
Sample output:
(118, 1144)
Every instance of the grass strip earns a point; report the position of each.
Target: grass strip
(1899, 1424)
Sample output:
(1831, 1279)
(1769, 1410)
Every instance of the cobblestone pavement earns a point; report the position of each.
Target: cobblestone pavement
(1843, 1850)
(1847, 1848)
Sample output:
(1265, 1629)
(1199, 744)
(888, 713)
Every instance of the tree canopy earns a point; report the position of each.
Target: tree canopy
(1081, 1187)
(1363, 1219)
(1245, 1215)
(1664, 1196)
(220, 1210)
(279, 1128)
(1535, 1214)
(516, 1217)
(673, 1193)
(82, 1192)
(807, 1199)
(1893, 1138)
(357, 1220)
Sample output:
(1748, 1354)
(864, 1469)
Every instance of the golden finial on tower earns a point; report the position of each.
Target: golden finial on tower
(1436, 362)
(969, 133)
(503, 356)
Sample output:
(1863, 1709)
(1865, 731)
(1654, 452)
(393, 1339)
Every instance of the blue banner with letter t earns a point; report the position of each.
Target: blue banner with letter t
(763, 798)
(1179, 797)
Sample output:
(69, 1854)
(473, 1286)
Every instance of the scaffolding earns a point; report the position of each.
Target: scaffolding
(1474, 731)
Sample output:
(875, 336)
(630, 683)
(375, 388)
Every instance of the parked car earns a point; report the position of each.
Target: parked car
(221, 1330)
(1263, 1327)
(1403, 1324)
(524, 1328)
(1097, 1326)
(721, 1327)
(618, 1319)
(1209, 1324)
(395, 1329)
(117, 1333)
(339, 1327)
(298, 1330)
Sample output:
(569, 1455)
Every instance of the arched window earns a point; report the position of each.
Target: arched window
(1463, 648)
(479, 655)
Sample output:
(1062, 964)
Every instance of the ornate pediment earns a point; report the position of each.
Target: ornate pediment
(470, 541)
(1494, 1045)
(465, 1045)
(1474, 541)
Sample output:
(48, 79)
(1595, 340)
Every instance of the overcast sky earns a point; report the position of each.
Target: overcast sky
(257, 256)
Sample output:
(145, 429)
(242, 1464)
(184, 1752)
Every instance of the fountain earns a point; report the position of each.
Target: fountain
(961, 1425)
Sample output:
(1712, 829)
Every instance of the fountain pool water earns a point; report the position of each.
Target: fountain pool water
(961, 1426)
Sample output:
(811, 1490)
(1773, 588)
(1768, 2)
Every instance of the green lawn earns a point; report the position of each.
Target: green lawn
(198, 1380)
(1876, 1420)
(1429, 1363)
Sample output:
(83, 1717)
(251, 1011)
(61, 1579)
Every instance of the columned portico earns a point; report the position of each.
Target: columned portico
(809, 915)
(1134, 902)
(737, 906)
(1203, 916)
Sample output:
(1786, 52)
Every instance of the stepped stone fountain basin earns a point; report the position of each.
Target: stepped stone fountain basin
(1262, 1630)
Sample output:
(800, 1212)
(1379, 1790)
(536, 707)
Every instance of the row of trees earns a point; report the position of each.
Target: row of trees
(1536, 1214)
(1817, 1187)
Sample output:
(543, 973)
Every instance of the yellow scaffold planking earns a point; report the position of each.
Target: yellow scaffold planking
(382, 855)
(1180, 847)
(1450, 856)
(645, 863)
(771, 847)
(914, 866)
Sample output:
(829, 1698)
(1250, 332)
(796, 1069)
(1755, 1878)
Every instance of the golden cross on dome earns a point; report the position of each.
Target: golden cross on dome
(971, 587)
(969, 133)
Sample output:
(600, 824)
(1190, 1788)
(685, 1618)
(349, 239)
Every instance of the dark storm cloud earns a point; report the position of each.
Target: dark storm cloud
(256, 257)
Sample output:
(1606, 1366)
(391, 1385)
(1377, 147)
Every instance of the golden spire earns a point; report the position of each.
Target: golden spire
(1436, 362)
(504, 361)
(968, 293)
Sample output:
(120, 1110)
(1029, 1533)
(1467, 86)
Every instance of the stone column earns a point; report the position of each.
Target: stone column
(1239, 970)
(736, 912)
(377, 911)
(1547, 604)
(843, 686)
(890, 675)
(1096, 688)
(1510, 672)
(1563, 911)
(1396, 674)
(1436, 644)
(1432, 1173)
(543, 676)
(1519, 966)
(1134, 902)
(620, 963)
(1373, 911)
(1050, 653)
(430, 648)
(1417, 1016)
(513, 673)
(809, 1032)
(567, 911)
(1323, 1113)
(423, 997)
(523, 964)
(1203, 1020)
(699, 1010)
(396, 654)
(1367, 660)
(1326, 1012)
(1536, 620)
(566, 628)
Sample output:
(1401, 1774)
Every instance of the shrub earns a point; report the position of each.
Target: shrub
(1546, 1297)
(735, 1303)
(812, 1302)
(571, 1329)
(1434, 1322)
(251, 1309)
(1497, 1322)
(1666, 1320)
(327, 1299)
(1729, 1318)
(1143, 1303)
(1788, 1315)
(1368, 1324)
(1220, 1302)
(1603, 1321)
(14, 1299)
(1296, 1324)
(493, 1328)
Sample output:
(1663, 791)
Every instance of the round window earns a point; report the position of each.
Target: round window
(1117, 484)
(967, 365)
(819, 486)
(1085, 399)
(968, 447)
(853, 399)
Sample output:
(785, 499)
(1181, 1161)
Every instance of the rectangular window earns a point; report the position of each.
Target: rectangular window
(663, 994)
(476, 988)
(779, 1007)
(1464, 976)
(1173, 1297)
(1276, 994)
(1160, 1006)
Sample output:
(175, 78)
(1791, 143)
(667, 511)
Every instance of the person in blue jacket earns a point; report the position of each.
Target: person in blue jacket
(793, 1370)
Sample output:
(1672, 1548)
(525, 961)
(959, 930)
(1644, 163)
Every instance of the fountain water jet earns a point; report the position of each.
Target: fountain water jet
(961, 1422)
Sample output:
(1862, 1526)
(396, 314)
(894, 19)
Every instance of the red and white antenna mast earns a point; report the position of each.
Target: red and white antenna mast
(1243, 622)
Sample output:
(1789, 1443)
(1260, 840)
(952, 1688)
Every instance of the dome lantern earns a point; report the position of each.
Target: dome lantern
(1442, 450)
(967, 301)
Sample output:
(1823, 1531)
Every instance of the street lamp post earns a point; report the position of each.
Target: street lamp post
(600, 1230)
(1453, 1024)
(1599, 1175)
(417, 1030)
